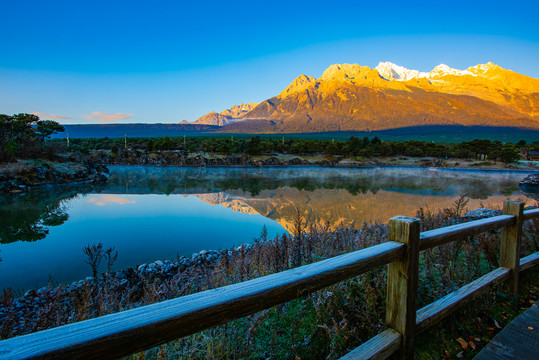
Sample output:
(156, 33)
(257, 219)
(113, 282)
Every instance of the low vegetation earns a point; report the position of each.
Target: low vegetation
(354, 147)
(23, 136)
(120, 150)
(325, 324)
(28, 159)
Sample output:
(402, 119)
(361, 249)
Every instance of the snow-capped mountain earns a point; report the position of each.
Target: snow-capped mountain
(390, 71)
(351, 97)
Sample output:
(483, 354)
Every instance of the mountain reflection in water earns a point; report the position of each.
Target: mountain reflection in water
(322, 194)
(334, 195)
(132, 212)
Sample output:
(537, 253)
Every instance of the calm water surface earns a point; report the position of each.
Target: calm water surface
(150, 213)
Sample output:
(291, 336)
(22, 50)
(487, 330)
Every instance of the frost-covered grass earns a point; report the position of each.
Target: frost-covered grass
(325, 324)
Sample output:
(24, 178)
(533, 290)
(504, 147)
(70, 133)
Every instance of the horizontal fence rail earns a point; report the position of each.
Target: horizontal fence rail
(529, 261)
(123, 333)
(530, 214)
(131, 331)
(436, 237)
(439, 309)
(381, 346)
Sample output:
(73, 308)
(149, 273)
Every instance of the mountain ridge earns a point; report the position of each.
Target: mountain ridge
(351, 97)
(225, 117)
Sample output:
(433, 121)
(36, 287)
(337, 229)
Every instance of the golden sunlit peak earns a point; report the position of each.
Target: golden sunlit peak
(299, 83)
(343, 72)
(484, 69)
(393, 72)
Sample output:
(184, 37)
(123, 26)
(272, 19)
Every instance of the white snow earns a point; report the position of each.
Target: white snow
(483, 69)
(390, 71)
(443, 70)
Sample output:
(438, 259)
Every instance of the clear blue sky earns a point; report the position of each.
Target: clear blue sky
(166, 61)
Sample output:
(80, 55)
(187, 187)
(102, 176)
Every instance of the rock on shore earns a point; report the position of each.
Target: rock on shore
(531, 180)
(25, 174)
(179, 158)
(130, 286)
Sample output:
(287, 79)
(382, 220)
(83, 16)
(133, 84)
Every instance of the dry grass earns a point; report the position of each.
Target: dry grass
(16, 168)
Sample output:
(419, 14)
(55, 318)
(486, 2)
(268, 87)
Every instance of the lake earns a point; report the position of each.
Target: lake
(150, 213)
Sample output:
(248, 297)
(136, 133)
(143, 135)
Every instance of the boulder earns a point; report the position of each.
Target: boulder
(531, 180)
(100, 178)
(530, 186)
(481, 213)
(272, 161)
(295, 161)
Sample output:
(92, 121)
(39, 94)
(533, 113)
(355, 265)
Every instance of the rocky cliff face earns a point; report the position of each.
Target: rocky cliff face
(225, 117)
(213, 118)
(351, 97)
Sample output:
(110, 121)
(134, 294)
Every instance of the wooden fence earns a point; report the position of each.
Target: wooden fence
(120, 334)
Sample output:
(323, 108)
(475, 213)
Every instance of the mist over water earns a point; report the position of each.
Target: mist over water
(151, 213)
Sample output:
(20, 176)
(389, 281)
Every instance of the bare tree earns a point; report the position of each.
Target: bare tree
(111, 256)
(95, 255)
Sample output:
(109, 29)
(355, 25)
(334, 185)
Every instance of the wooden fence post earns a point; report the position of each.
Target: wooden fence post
(510, 245)
(402, 281)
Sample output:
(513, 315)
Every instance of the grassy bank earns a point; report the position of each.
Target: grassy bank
(325, 324)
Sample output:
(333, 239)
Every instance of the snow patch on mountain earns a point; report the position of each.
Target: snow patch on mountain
(485, 69)
(390, 71)
(444, 70)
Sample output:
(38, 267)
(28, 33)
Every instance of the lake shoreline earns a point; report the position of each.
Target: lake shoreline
(23, 175)
(371, 166)
(322, 161)
(173, 158)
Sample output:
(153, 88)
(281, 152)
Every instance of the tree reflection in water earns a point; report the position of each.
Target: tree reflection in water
(28, 216)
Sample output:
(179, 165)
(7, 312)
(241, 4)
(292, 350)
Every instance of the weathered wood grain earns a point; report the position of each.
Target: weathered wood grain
(529, 261)
(441, 236)
(402, 278)
(519, 340)
(380, 347)
(127, 332)
(510, 242)
(530, 214)
(439, 309)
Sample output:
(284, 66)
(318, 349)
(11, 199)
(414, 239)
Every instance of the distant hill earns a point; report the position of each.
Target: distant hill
(438, 133)
(133, 130)
(350, 97)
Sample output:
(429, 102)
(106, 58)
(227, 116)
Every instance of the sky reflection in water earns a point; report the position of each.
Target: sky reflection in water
(151, 213)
